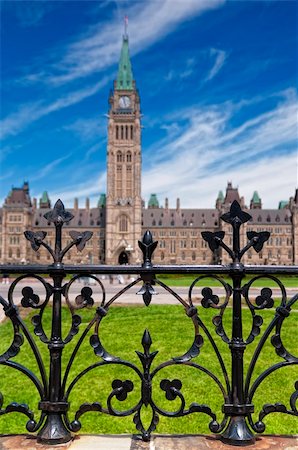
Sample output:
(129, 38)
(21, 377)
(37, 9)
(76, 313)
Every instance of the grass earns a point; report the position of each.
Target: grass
(172, 334)
(186, 280)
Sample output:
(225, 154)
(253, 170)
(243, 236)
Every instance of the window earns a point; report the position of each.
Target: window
(128, 182)
(128, 157)
(172, 246)
(131, 132)
(119, 156)
(162, 243)
(193, 256)
(123, 224)
(119, 181)
(117, 132)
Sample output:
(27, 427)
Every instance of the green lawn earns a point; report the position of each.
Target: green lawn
(172, 334)
(186, 280)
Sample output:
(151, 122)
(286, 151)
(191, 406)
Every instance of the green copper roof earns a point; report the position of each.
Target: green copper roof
(256, 198)
(153, 201)
(45, 197)
(282, 204)
(220, 196)
(125, 76)
(102, 201)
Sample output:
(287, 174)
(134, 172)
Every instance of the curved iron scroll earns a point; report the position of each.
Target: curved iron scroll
(236, 390)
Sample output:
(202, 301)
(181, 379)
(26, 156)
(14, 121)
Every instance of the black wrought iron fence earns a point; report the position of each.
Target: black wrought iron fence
(55, 425)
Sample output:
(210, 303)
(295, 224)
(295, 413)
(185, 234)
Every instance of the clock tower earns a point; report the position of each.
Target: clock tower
(124, 204)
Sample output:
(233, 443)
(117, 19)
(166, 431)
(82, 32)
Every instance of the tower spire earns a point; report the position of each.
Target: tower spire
(125, 77)
(125, 26)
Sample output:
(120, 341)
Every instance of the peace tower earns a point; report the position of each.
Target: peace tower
(124, 203)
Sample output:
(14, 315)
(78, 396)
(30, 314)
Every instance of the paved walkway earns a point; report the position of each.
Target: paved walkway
(158, 442)
(163, 297)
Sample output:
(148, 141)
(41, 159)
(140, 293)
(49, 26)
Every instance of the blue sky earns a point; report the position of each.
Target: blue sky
(218, 87)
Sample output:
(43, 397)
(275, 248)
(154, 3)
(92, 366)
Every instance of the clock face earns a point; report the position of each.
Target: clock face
(124, 102)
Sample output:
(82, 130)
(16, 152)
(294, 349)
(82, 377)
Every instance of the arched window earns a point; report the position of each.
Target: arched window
(259, 219)
(119, 181)
(119, 156)
(128, 157)
(117, 132)
(131, 132)
(123, 224)
(122, 137)
(129, 181)
(160, 223)
(153, 223)
(126, 132)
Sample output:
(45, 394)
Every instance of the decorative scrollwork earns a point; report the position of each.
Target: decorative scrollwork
(85, 298)
(209, 299)
(29, 298)
(122, 388)
(99, 349)
(80, 238)
(237, 400)
(171, 388)
(147, 247)
(147, 291)
(58, 215)
(193, 352)
(35, 238)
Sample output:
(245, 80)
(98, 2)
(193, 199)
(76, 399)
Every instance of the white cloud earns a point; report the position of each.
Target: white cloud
(47, 169)
(90, 189)
(99, 47)
(197, 162)
(220, 59)
(29, 113)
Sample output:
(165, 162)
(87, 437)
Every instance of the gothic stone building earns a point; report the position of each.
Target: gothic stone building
(121, 217)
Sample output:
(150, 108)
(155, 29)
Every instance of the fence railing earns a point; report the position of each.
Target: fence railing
(54, 384)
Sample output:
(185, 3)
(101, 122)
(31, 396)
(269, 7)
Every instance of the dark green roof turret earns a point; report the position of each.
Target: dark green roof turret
(283, 204)
(44, 201)
(256, 198)
(102, 201)
(220, 196)
(125, 77)
(153, 201)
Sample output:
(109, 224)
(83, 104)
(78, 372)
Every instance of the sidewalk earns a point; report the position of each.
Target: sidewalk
(158, 442)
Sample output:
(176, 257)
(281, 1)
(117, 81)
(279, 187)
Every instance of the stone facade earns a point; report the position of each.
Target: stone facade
(121, 217)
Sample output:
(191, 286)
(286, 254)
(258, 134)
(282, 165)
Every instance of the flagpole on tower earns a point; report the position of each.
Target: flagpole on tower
(125, 26)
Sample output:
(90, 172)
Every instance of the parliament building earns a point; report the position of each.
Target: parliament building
(121, 217)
